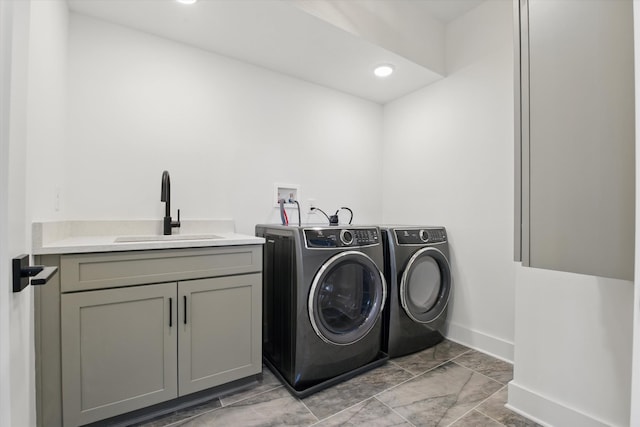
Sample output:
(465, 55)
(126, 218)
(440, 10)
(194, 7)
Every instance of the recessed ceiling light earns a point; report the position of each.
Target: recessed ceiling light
(187, 1)
(384, 70)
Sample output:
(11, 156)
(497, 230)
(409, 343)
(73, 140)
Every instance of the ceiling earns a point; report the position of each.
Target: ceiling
(448, 10)
(279, 36)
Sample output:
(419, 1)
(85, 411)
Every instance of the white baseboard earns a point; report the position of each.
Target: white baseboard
(480, 341)
(538, 408)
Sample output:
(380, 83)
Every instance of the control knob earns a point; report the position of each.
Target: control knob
(424, 235)
(346, 236)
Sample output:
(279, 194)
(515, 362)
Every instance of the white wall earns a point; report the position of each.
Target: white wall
(225, 130)
(573, 348)
(448, 160)
(47, 105)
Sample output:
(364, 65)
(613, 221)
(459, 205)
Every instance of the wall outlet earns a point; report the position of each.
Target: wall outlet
(286, 192)
(56, 199)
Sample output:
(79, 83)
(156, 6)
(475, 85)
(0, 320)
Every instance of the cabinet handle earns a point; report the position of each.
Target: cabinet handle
(170, 312)
(185, 309)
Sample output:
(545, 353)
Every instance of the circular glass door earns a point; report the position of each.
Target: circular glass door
(425, 285)
(346, 298)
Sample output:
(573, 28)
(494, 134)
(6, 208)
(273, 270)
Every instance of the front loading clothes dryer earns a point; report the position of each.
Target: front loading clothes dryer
(324, 292)
(418, 274)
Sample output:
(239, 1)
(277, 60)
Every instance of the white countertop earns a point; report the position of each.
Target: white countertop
(65, 237)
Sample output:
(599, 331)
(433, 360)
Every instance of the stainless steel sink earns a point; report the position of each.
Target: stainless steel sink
(168, 238)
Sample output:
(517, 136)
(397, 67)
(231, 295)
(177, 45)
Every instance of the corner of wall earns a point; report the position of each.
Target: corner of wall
(480, 341)
(526, 402)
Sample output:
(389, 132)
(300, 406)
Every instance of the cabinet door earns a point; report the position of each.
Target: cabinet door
(578, 140)
(118, 351)
(220, 331)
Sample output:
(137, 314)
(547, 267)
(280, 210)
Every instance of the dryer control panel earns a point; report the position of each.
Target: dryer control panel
(420, 236)
(341, 237)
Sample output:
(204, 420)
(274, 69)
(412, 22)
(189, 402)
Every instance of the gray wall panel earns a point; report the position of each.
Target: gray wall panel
(581, 154)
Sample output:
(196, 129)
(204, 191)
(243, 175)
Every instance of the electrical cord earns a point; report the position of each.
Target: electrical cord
(350, 211)
(323, 213)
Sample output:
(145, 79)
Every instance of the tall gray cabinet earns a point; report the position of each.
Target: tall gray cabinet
(121, 331)
(575, 136)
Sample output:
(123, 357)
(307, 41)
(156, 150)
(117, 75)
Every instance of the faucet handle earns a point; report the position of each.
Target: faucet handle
(176, 224)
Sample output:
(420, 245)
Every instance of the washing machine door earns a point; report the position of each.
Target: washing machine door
(346, 298)
(425, 285)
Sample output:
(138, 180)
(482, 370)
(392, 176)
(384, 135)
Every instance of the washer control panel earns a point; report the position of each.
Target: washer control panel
(334, 237)
(418, 236)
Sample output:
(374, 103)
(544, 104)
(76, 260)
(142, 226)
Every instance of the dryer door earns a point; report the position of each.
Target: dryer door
(346, 298)
(425, 285)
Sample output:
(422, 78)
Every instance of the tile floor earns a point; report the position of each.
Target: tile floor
(447, 385)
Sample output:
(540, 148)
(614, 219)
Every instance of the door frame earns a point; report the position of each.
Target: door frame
(6, 12)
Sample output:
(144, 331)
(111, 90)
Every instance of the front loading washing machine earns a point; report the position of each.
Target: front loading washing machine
(324, 292)
(418, 274)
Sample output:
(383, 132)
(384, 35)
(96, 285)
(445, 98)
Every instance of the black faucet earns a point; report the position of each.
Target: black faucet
(165, 196)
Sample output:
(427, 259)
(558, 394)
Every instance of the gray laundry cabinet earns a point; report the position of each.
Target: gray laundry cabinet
(121, 331)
